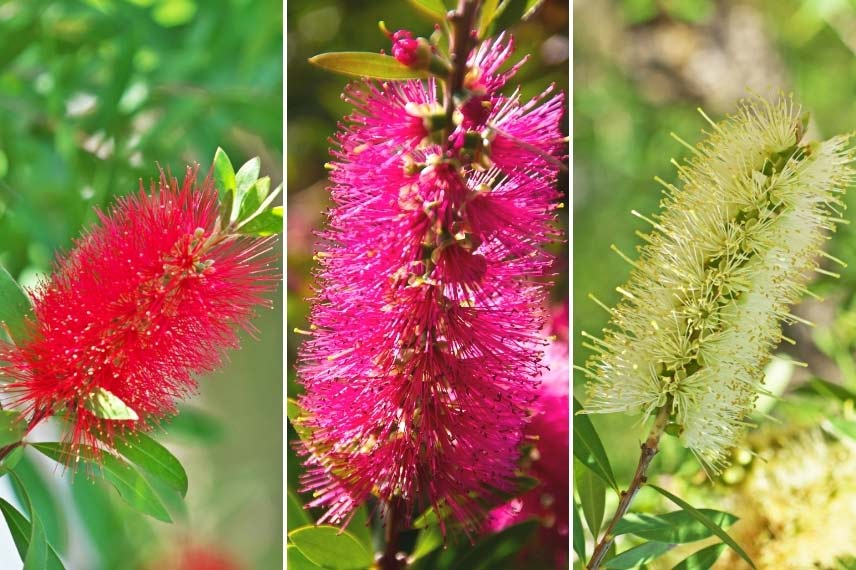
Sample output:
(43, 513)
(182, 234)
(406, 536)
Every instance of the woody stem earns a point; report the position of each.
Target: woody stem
(649, 450)
(394, 523)
(462, 19)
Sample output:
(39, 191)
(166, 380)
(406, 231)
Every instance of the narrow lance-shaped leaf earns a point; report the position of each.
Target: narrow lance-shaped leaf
(224, 177)
(705, 520)
(637, 555)
(676, 528)
(592, 494)
(588, 447)
(578, 536)
(702, 559)
(365, 64)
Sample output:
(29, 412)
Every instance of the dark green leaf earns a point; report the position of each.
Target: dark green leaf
(127, 481)
(22, 533)
(365, 64)
(705, 520)
(497, 549)
(297, 516)
(30, 483)
(588, 448)
(637, 555)
(701, 560)
(433, 8)
(13, 458)
(12, 427)
(579, 538)
(14, 305)
(360, 528)
(332, 548)
(429, 540)
(155, 459)
(296, 560)
(678, 527)
(592, 493)
(107, 406)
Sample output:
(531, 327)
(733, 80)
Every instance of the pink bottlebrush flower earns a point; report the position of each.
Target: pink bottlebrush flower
(404, 47)
(145, 300)
(548, 461)
(422, 365)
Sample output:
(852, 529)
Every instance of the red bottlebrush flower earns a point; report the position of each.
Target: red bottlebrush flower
(422, 365)
(548, 461)
(145, 300)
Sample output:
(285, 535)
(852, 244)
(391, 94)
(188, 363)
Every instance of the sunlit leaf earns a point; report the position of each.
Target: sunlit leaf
(637, 555)
(705, 520)
(433, 8)
(676, 528)
(365, 64)
(702, 559)
(155, 459)
(331, 547)
(107, 406)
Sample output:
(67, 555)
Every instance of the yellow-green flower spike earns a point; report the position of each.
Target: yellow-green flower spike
(730, 252)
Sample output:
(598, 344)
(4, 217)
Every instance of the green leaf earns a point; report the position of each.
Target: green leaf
(127, 481)
(13, 427)
(14, 305)
(497, 549)
(592, 494)
(264, 224)
(107, 406)
(246, 177)
(294, 411)
(254, 198)
(488, 12)
(701, 517)
(332, 548)
(637, 555)
(578, 536)
(360, 528)
(29, 483)
(678, 527)
(530, 9)
(13, 458)
(843, 427)
(296, 560)
(155, 459)
(224, 175)
(588, 448)
(296, 514)
(429, 540)
(702, 559)
(32, 552)
(365, 64)
(433, 8)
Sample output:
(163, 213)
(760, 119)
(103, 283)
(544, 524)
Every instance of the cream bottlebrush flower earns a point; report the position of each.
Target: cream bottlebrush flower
(797, 506)
(732, 249)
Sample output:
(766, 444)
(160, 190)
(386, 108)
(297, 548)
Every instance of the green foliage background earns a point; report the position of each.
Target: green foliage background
(94, 94)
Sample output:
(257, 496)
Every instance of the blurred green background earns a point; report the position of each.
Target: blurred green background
(641, 68)
(93, 95)
(315, 107)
